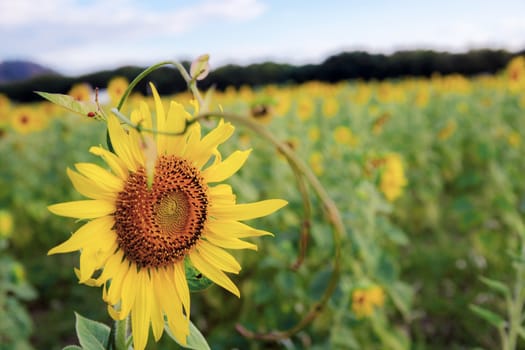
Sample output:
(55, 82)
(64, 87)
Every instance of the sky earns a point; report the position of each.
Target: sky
(77, 37)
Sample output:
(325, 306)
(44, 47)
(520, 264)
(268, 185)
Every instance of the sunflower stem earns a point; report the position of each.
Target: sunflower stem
(121, 334)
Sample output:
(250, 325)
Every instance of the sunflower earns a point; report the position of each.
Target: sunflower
(393, 179)
(5, 106)
(344, 136)
(365, 300)
(156, 207)
(81, 92)
(25, 120)
(116, 88)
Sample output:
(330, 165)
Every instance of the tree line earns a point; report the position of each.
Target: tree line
(343, 66)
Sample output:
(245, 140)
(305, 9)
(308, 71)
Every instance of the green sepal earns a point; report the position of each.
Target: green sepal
(72, 347)
(91, 334)
(196, 281)
(195, 339)
(489, 316)
(84, 108)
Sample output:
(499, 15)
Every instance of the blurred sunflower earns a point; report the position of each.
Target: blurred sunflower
(516, 69)
(81, 92)
(5, 105)
(330, 107)
(448, 130)
(283, 103)
(344, 136)
(116, 88)
(314, 133)
(305, 108)
(393, 178)
(155, 209)
(514, 139)
(316, 162)
(6, 223)
(262, 113)
(25, 120)
(364, 300)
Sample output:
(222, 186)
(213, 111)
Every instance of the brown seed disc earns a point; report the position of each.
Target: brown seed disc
(157, 226)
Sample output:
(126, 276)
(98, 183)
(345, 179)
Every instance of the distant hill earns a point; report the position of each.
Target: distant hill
(343, 66)
(11, 71)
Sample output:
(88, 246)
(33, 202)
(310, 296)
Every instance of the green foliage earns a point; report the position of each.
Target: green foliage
(15, 323)
(92, 335)
(195, 340)
(196, 281)
(85, 109)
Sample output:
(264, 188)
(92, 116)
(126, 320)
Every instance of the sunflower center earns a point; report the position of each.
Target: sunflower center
(156, 226)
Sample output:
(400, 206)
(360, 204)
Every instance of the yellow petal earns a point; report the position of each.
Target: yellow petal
(160, 117)
(213, 273)
(228, 242)
(181, 285)
(229, 228)
(141, 313)
(94, 259)
(97, 230)
(170, 303)
(175, 123)
(218, 257)
(136, 146)
(118, 272)
(209, 143)
(111, 267)
(101, 177)
(221, 195)
(142, 116)
(111, 159)
(226, 168)
(121, 143)
(129, 290)
(89, 282)
(114, 313)
(88, 187)
(157, 318)
(86, 209)
(194, 137)
(247, 211)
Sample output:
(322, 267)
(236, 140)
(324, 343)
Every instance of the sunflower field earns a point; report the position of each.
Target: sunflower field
(425, 177)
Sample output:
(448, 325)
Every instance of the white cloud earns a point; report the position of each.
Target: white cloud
(52, 24)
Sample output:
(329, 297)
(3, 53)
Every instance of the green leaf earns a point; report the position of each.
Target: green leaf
(72, 347)
(196, 281)
(92, 335)
(84, 108)
(489, 316)
(496, 285)
(195, 340)
(402, 296)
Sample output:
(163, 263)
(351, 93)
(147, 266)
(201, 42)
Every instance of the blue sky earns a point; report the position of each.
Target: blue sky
(81, 36)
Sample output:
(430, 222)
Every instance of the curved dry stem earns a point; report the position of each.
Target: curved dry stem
(307, 220)
(331, 211)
